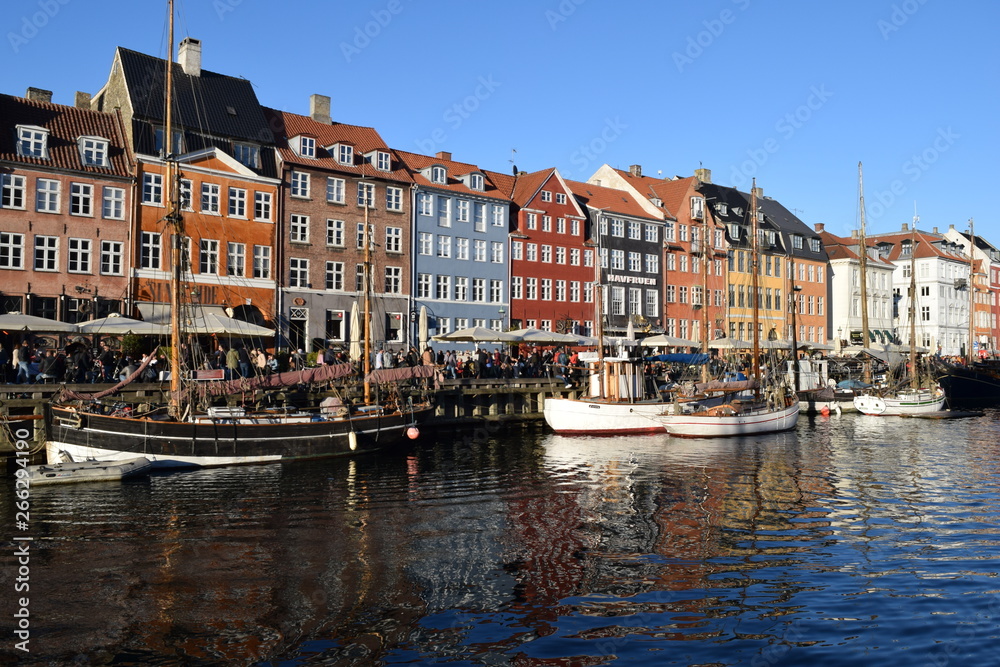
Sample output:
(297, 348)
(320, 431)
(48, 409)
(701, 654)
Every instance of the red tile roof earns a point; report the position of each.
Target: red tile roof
(614, 201)
(416, 162)
(65, 125)
(839, 247)
(927, 245)
(364, 140)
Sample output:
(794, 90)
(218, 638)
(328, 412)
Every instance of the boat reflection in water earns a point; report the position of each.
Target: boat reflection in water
(527, 547)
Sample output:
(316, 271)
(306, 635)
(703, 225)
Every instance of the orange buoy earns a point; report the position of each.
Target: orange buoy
(825, 411)
(413, 433)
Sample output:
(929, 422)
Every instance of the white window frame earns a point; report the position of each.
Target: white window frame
(237, 207)
(93, 151)
(211, 194)
(236, 259)
(112, 258)
(81, 199)
(336, 189)
(335, 233)
(113, 203)
(47, 195)
(262, 262)
(79, 255)
(11, 250)
(298, 228)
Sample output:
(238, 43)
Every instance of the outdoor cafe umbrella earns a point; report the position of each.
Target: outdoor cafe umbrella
(664, 340)
(539, 336)
(355, 332)
(730, 344)
(477, 335)
(422, 327)
(115, 324)
(21, 322)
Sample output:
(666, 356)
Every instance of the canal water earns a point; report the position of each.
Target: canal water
(852, 540)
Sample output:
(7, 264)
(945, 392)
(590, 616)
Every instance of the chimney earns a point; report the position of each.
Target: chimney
(189, 56)
(935, 231)
(319, 108)
(39, 95)
(820, 226)
(635, 170)
(855, 234)
(703, 175)
(950, 227)
(759, 192)
(906, 227)
(81, 100)
(444, 155)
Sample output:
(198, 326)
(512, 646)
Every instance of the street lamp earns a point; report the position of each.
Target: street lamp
(501, 311)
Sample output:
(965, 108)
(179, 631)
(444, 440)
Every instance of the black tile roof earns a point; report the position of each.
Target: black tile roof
(211, 103)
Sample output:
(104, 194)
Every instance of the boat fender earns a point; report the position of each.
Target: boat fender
(413, 433)
(352, 440)
(825, 411)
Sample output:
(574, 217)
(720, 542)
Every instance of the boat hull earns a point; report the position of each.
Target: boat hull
(568, 416)
(972, 386)
(903, 403)
(220, 441)
(722, 425)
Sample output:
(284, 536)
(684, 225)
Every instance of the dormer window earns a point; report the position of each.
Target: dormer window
(175, 149)
(697, 208)
(246, 154)
(307, 146)
(734, 231)
(906, 248)
(796, 241)
(722, 208)
(345, 154)
(383, 162)
(93, 151)
(32, 141)
(656, 201)
(814, 245)
(439, 175)
(476, 182)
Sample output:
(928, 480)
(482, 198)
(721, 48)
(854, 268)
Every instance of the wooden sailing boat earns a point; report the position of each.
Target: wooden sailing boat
(81, 427)
(914, 398)
(774, 406)
(615, 403)
(976, 383)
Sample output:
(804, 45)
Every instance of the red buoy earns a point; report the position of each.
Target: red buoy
(413, 433)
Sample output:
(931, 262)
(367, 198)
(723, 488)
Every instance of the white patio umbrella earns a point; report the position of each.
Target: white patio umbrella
(422, 327)
(663, 340)
(355, 348)
(21, 322)
(539, 336)
(730, 344)
(478, 335)
(213, 323)
(115, 324)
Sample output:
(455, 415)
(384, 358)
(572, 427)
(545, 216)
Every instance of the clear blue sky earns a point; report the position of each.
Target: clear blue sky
(794, 93)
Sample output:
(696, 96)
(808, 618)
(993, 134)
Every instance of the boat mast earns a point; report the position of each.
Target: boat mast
(599, 307)
(754, 287)
(175, 222)
(704, 293)
(970, 356)
(914, 382)
(863, 261)
(366, 363)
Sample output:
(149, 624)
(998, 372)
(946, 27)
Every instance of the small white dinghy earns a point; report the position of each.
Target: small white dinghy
(87, 471)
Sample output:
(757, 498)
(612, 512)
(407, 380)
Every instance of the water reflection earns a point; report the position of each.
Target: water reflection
(843, 541)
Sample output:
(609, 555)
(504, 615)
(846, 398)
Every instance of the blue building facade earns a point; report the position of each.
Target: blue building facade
(459, 247)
